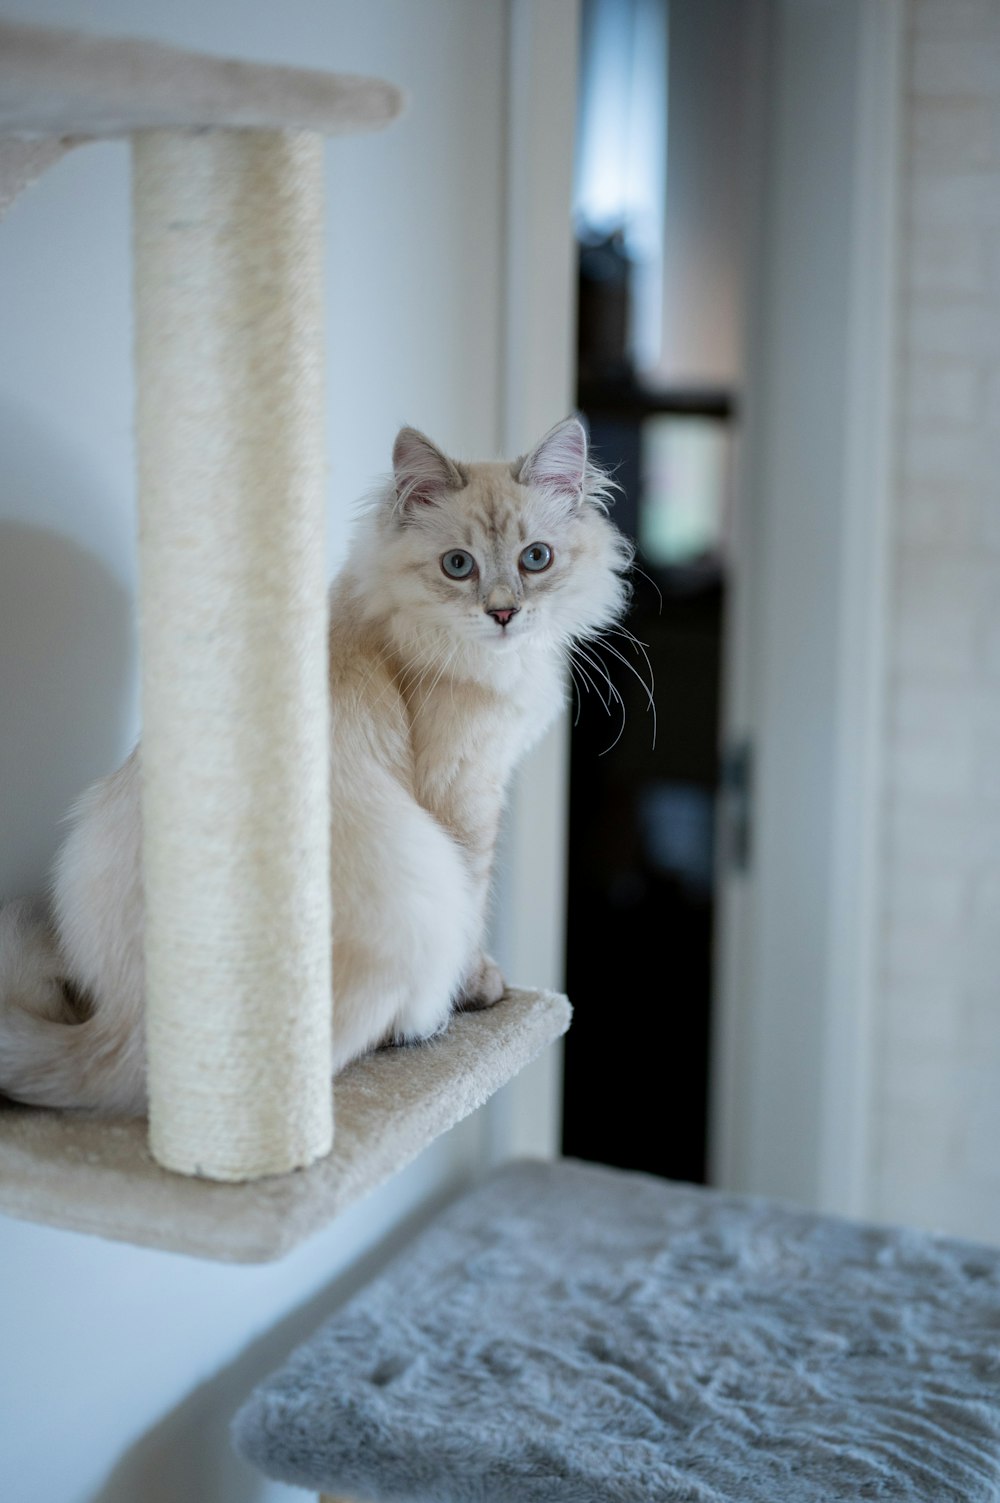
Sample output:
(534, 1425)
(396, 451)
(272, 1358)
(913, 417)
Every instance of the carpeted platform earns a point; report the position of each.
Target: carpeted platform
(95, 1175)
(572, 1334)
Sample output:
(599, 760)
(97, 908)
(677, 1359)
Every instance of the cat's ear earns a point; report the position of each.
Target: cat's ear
(422, 473)
(558, 462)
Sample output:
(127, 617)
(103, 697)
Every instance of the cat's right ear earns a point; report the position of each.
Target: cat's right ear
(422, 473)
(558, 462)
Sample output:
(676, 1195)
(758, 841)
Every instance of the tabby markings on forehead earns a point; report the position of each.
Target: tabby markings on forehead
(498, 517)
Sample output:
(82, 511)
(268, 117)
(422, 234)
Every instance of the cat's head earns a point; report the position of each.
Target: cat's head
(500, 554)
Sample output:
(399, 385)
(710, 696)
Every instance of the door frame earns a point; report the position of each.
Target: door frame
(797, 936)
(537, 389)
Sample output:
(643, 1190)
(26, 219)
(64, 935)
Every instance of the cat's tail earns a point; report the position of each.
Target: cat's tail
(54, 1050)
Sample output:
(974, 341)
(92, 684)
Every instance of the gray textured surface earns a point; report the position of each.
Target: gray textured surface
(576, 1335)
(90, 1175)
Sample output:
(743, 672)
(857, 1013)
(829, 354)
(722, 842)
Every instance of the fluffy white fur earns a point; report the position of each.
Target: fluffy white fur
(438, 686)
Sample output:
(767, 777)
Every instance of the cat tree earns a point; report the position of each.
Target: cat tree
(228, 213)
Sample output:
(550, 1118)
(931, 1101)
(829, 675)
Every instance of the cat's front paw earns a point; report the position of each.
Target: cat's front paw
(483, 986)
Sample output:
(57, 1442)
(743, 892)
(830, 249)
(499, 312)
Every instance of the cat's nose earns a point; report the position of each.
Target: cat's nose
(502, 617)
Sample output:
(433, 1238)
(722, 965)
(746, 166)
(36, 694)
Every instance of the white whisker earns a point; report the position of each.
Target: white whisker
(576, 695)
(589, 682)
(629, 636)
(659, 592)
(648, 688)
(601, 670)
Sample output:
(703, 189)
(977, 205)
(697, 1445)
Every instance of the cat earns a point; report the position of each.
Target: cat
(451, 623)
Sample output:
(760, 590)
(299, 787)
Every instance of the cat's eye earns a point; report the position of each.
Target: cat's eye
(536, 557)
(458, 564)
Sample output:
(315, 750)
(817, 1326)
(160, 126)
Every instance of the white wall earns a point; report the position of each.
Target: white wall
(936, 1084)
(120, 1368)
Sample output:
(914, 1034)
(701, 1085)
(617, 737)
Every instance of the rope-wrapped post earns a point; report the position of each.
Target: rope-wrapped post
(229, 327)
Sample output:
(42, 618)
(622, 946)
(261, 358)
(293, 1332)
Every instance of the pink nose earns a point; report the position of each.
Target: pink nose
(503, 616)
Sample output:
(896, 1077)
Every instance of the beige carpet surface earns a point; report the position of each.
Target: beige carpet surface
(97, 1176)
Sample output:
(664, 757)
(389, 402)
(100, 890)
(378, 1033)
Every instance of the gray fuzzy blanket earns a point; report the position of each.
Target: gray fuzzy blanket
(572, 1334)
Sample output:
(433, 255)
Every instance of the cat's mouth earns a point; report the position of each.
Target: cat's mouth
(505, 628)
(501, 635)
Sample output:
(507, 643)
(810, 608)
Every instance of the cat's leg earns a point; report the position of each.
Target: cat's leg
(91, 1051)
(483, 985)
(404, 916)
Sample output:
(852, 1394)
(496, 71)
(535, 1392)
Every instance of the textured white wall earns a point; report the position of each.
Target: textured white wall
(120, 1368)
(937, 1079)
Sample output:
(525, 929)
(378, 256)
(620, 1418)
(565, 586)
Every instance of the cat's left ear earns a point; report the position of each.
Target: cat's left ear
(558, 462)
(421, 472)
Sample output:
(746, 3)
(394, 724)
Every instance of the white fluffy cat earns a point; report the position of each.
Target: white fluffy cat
(450, 628)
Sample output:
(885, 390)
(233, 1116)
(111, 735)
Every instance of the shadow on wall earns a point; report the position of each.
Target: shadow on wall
(66, 665)
(188, 1454)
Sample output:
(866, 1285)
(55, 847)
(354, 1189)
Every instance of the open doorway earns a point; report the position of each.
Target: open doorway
(658, 211)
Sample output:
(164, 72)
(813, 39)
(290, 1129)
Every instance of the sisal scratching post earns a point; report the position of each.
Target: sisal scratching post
(233, 630)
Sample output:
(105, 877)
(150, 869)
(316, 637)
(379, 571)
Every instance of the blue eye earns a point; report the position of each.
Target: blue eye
(458, 564)
(536, 557)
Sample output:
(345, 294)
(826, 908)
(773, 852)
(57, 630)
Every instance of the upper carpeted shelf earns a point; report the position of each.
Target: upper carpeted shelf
(61, 88)
(65, 83)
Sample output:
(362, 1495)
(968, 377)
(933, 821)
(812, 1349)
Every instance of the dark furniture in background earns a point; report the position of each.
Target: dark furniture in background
(642, 818)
